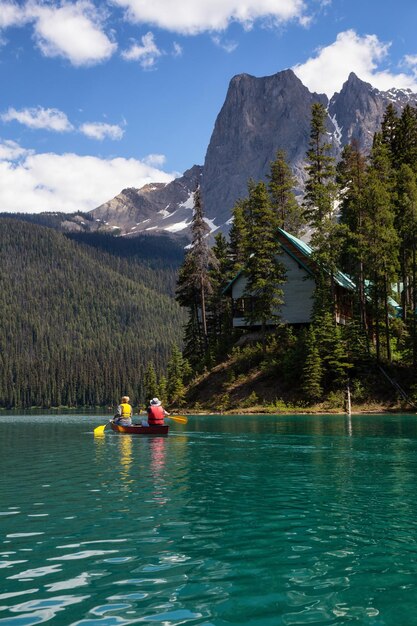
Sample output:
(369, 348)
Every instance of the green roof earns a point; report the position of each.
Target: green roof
(342, 279)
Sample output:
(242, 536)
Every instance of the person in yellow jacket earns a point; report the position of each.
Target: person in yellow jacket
(124, 412)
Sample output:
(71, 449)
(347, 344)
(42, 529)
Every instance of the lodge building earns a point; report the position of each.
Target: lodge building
(298, 289)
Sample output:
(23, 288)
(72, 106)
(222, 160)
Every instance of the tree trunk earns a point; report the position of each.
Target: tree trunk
(386, 311)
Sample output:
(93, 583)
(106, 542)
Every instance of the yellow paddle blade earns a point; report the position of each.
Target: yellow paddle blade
(100, 430)
(181, 419)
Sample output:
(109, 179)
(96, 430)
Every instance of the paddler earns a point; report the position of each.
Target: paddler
(156, 413)
(124, 412)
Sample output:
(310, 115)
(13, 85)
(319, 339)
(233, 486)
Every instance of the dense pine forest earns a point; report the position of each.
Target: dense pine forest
(361, 217)
(81, 317)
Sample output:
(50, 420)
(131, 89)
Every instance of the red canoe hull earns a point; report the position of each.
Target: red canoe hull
(140, 430)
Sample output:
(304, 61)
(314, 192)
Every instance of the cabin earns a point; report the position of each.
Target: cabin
(298, 290)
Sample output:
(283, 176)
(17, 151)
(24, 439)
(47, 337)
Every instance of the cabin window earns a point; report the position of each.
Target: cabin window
(243, 306)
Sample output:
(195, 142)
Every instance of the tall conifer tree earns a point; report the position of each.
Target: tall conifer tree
(194, 281)
(281, 192)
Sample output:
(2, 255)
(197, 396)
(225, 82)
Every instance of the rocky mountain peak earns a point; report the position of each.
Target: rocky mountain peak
(258, 117)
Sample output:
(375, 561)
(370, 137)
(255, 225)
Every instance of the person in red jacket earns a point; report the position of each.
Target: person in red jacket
(156, 413)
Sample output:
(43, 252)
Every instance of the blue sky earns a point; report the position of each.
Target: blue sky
(101, 96)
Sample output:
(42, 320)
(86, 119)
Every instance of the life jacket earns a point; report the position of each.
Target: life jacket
(155, 415)
(126, 409)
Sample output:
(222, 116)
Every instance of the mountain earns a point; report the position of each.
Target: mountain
(79, 323)
(357, 111)
(259, 116)
(156, 207)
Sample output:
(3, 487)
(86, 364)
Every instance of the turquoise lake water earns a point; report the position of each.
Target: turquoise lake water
(248, 520)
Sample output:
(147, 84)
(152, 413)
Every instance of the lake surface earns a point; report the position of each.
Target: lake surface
(259, 521)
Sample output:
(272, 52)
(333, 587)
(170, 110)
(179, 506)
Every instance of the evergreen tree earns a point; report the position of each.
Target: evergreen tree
(311, 382)
(406, 140)
(177, 372)
(220, 308)
(389, 131)
(406, 221)
(351, 177)
(264, 270)
(150, 386)
(194, 282)
(238, 235)
(320, 188)
(319, 199)
(381, 246)
(281, 192)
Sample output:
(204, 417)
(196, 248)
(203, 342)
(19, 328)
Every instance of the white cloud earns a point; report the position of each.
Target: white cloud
(177, 49)
(11, 14)
(68, 182)
(227, 45)
(73, 31)
(100, 130)
(191, 17)
(410, 60)
(10, 150)
(155, 159)
(146, 53)
(48, 119)
(329, 68)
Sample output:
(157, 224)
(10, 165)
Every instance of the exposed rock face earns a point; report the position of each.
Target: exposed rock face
(259, 116)
(262, 115)
(359, 108)
(154, 207)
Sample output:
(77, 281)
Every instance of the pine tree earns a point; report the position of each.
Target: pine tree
(264, 270)
(319, 199)
(150, 386)
(351, 177)
(194, 282)
(406, 221)
(406, 139)
(220, 308)
(311, 382)
(381, 245)
(177, 372)
(281, 192)
(320, 188)
(238, 235)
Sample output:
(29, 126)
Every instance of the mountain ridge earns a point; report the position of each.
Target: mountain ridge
(259, 116)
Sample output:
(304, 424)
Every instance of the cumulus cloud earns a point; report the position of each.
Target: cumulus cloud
(329, 68)
(191, 17)
(146, 52)
(73, 31)
(155, 159)
(47, 119)
(67, 182)
(11, 14)
(100, 130)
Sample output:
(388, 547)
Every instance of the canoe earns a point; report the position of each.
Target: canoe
(140, 430)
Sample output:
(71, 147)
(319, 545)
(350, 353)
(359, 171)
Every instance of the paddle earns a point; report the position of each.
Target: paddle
(181, 419)
(100, 429)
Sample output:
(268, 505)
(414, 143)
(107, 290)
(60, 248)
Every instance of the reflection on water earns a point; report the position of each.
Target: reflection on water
(262, 521)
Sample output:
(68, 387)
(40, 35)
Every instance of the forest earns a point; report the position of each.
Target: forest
(361, 215)
(81, 317)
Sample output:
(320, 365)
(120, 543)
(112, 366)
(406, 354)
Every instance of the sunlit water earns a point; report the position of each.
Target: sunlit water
(260, 521)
